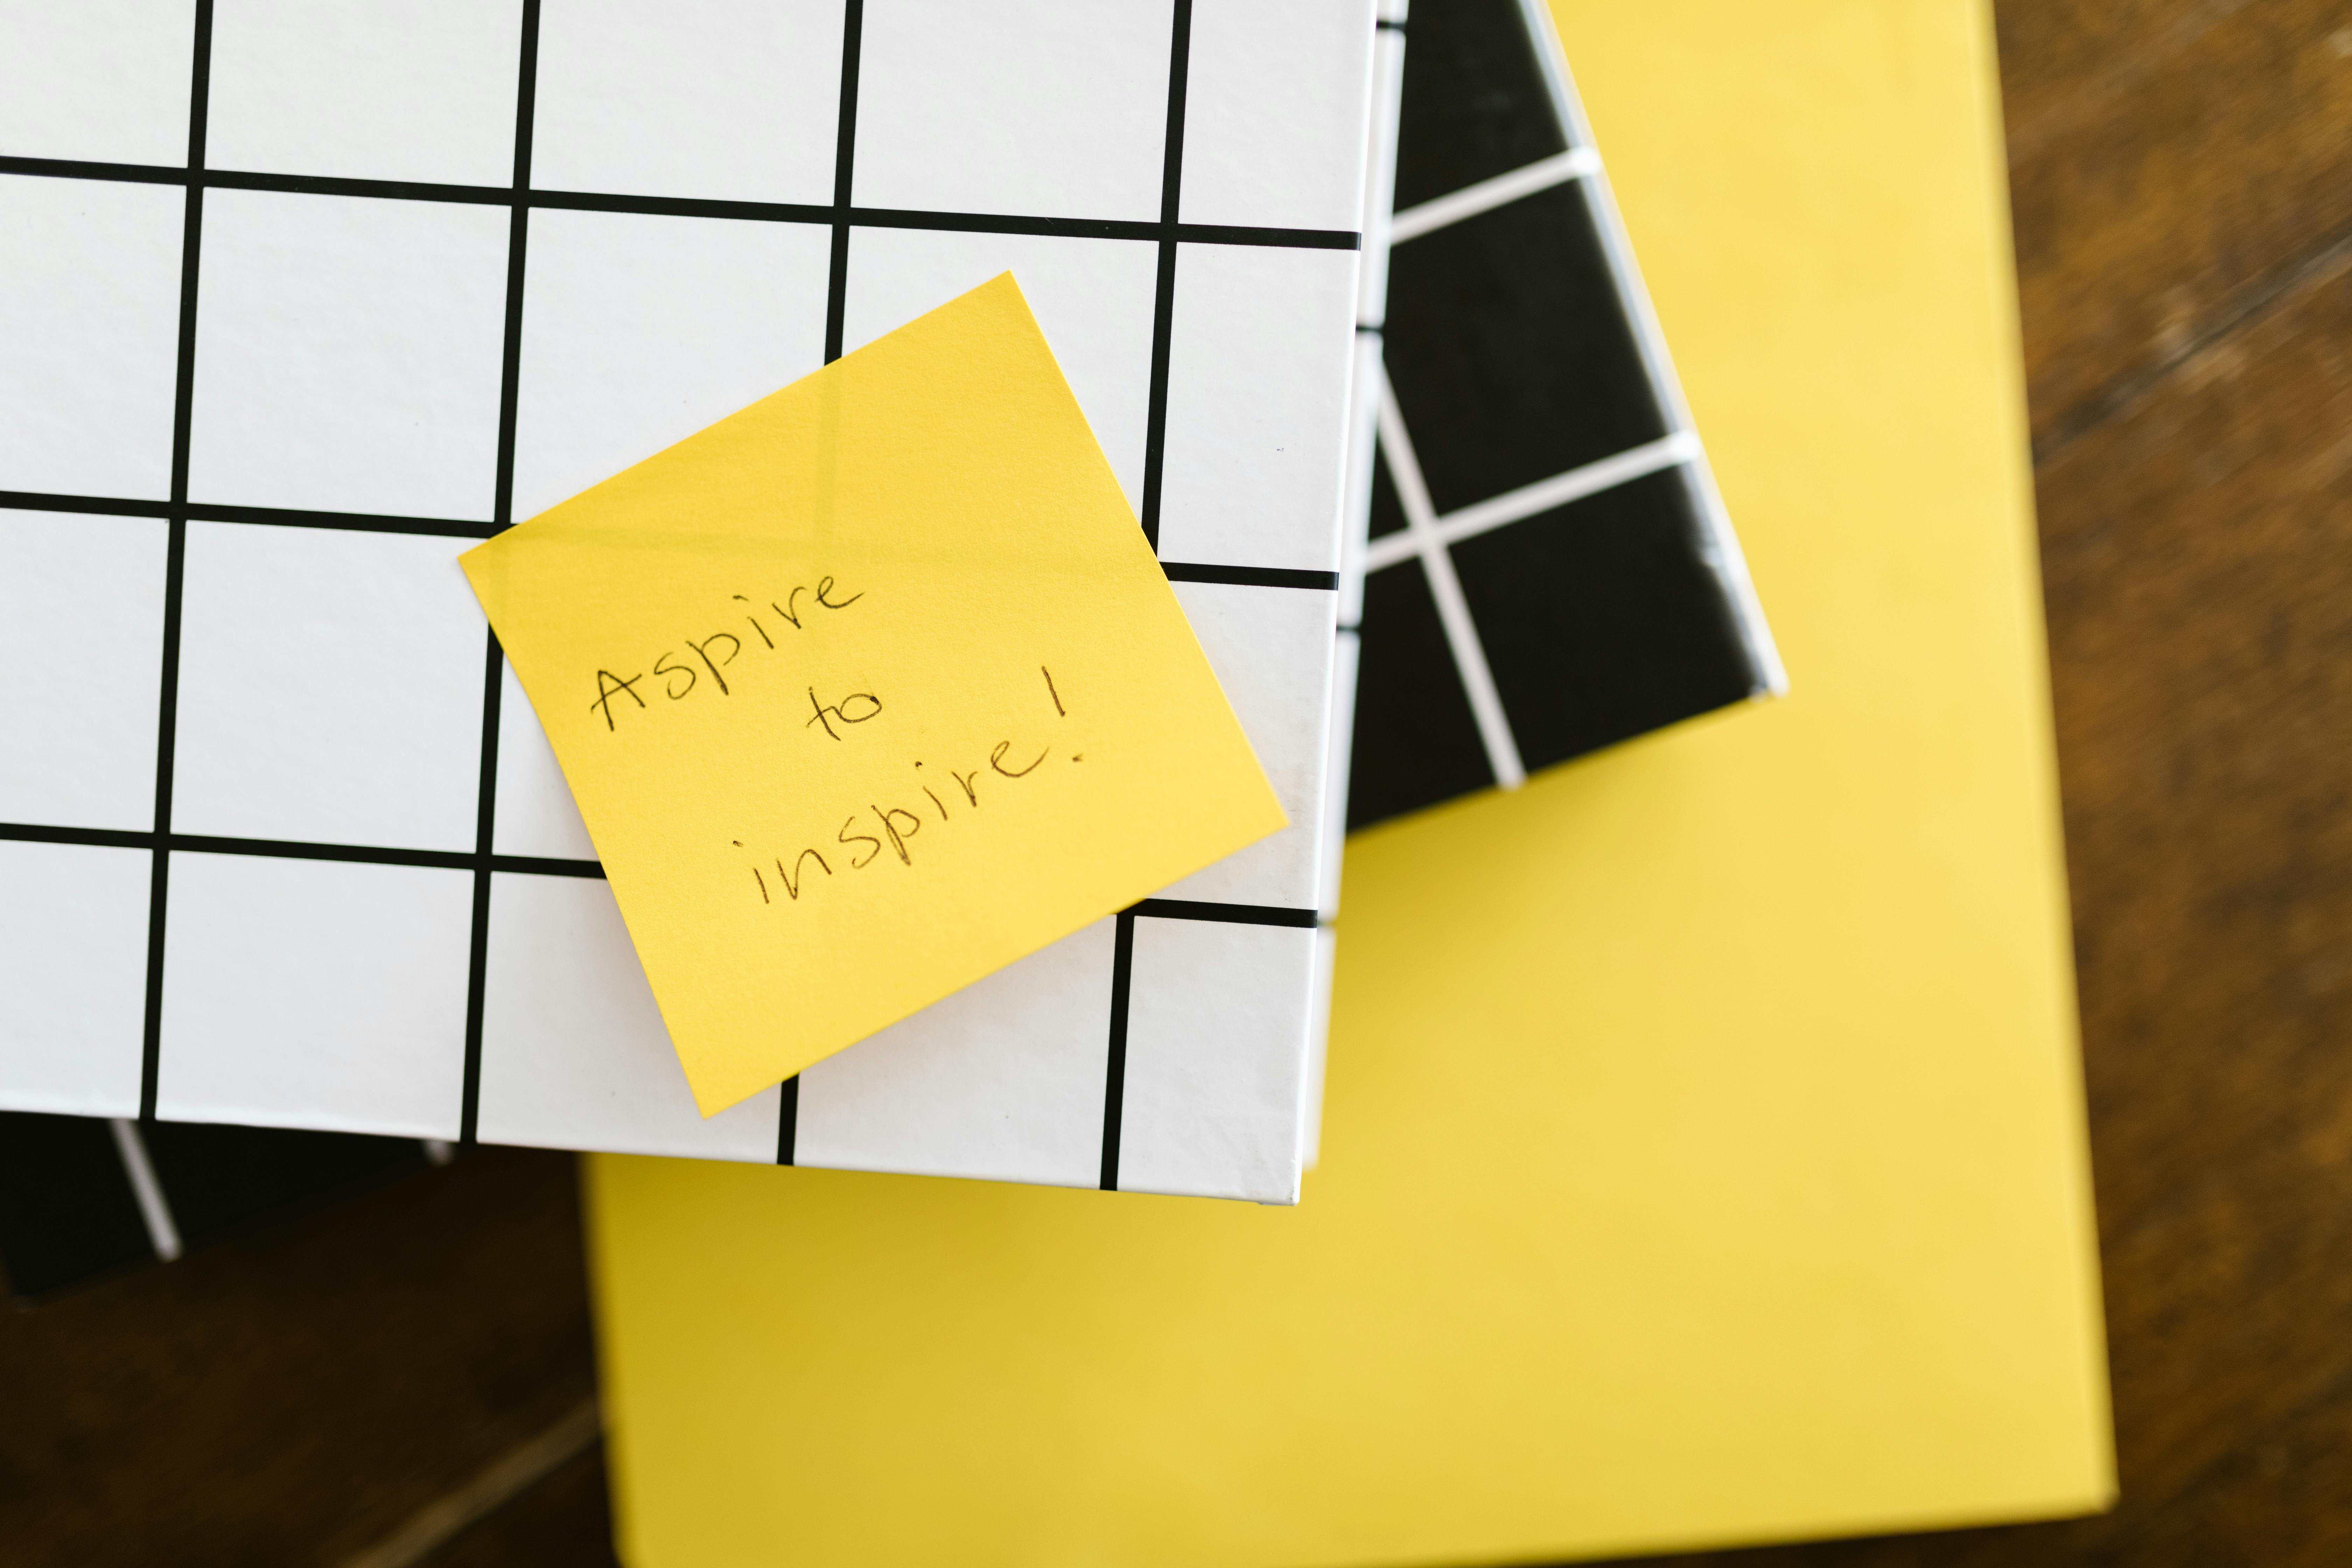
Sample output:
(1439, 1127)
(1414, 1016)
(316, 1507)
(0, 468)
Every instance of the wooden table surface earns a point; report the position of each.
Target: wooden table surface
(404, 1379)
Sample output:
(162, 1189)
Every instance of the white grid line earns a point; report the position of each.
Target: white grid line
(1481, 517)
(1489, 194)
(1445, 588)
(161, 1233)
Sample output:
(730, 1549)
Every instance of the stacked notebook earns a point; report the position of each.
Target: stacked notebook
(289, 348)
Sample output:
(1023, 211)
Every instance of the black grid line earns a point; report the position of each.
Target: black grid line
(845, 157)
(1227, 914)
(485, 826)
(456, 528)
(294, 849)
(478, 955)
(212, 511)
(486, 811)
(1164, 308)
(1249, 576)
(1122, 973)
(836, 311)
(1166, 229)
(1155, 459)
(788, 1120)
(175, 563)
(530, 865)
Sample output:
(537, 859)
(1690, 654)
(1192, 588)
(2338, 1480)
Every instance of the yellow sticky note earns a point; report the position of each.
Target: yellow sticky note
(868, 691)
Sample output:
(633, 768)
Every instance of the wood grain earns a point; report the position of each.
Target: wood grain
(2170, 161)
(291, 1395)
(563, 1522)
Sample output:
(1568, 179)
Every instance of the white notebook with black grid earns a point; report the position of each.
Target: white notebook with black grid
(300, 298)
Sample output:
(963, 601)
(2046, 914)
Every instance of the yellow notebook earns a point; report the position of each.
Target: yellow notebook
(1704, 1156)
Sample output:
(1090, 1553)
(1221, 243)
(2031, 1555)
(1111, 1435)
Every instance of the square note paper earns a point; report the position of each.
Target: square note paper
(868, 691)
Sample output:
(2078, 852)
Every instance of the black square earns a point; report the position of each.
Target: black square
(1509, 350)
(1388, 512)
(1416, 742)
(67, 1211)
(1475, 104)
(1602, 619)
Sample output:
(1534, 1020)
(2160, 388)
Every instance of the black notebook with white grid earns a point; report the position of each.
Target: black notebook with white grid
(1546, 567)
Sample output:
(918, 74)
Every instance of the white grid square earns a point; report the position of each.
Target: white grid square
(80, 752)
(1273, 136)
(534, 810)
(1271, 650)
(1257, 392)
(1094, 299)
(1048, 108)
(689, 98)
(103, 79)
(73, 977)
(330, 688)
(315, 993)
(348, 355)
(1216, 1059)
(1002, 1081)
(424, 90)
(574, 1051)
(638, 331)
(89, 312)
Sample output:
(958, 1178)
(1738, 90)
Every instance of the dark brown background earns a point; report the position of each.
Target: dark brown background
(2182, 178)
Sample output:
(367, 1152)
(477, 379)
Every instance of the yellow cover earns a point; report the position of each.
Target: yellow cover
(1704, 1159)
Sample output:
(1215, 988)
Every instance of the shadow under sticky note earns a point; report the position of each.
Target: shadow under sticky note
(1704, 1159)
